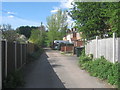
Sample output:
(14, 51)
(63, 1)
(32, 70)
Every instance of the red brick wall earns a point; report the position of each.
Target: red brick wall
(67, 48)
(62, 48)
(78, 43)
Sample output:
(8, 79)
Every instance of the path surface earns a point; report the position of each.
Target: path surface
(54, 70)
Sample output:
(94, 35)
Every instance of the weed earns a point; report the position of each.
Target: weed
(14, 80)
(101, 68)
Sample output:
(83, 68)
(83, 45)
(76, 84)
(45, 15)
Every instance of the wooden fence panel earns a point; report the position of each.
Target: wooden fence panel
(18, 55)
(30, 48)
(3, 60)
(10, 57)
(23, 53)
(10, 62)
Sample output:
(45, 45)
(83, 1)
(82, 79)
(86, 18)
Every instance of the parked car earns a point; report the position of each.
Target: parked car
(57, 43)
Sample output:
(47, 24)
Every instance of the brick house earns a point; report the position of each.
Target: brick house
(74, 37)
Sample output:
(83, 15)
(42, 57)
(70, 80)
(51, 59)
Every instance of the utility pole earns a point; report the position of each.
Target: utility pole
(41, 28)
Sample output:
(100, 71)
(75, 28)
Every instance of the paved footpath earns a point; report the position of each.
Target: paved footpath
(54, 70)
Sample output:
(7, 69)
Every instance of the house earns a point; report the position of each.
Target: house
(73, 36)
(75, 41)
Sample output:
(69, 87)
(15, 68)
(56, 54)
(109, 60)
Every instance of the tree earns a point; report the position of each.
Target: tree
(8, 33)
(57, 25)
(25, 30)
(93, 18)
(5, 27)
(11, 35)
(38, 36)
(114, 20)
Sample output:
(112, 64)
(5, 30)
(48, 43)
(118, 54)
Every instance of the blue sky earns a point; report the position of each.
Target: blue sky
(30, 13)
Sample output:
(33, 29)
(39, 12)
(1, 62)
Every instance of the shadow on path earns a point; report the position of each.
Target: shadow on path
(40, 74)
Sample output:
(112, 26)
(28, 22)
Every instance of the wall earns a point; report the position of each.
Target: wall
(67, 48)
(78, 36)
(69, 37)
(109, 48)
(78, 43)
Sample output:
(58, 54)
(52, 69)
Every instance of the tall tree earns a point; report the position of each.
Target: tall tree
(8, 33)
(38, 36)
(25, 30)
(93, 18)
(5, 27)
(114, 21)
(57, 25)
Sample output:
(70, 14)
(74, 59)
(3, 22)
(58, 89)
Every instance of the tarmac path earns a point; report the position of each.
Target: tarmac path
(55, 70)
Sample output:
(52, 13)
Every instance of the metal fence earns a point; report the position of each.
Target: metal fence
(109, 48)
(14, 56)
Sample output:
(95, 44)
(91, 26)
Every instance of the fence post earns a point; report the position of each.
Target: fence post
(114, 47)
(21, 54)
(6, 58)
(25, 53)
(15, 55)
(0, 60)
(117, 50)
(96, 46)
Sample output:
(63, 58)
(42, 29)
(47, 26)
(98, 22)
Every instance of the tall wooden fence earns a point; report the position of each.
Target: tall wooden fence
(109, 48)
(14, 56)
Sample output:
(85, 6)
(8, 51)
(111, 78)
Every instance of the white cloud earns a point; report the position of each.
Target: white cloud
(55, 9)
(11, 16)
(66, 4)
(16, 22)
(10, 13)
(70, 21)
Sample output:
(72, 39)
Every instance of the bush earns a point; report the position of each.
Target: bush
(101, 68)
(14, 80)
(35, 55)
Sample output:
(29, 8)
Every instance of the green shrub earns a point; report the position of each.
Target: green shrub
(101, 68)
(35, 55)
(14, 80)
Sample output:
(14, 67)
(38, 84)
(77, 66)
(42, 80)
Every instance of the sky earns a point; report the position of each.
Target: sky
(30, 13)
